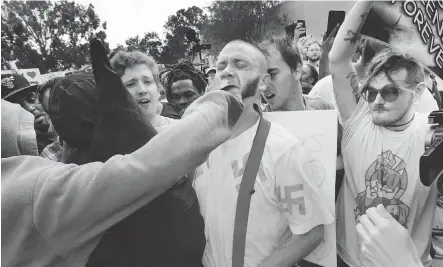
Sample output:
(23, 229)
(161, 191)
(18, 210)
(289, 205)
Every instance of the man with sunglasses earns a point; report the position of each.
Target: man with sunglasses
(383, 139)
(16, 89)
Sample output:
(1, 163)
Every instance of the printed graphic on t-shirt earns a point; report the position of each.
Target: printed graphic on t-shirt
(238, 168)
(386, 181)
(289, 200)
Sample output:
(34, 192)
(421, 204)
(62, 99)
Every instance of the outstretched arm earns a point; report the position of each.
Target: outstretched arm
(344, 77)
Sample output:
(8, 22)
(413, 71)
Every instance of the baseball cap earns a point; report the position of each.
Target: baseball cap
(15, 83)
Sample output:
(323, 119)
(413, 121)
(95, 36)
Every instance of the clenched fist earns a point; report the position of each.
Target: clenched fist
(219, 108)
(385, 242)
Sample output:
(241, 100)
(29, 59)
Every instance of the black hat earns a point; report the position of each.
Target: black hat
(95, 114)
(14, 83)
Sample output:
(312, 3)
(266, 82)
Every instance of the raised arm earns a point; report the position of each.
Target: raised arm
(75, 204)
(344, 77)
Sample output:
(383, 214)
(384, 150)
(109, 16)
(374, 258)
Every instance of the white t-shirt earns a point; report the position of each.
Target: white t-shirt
(382, 167)
(323, 88)
(285, 196)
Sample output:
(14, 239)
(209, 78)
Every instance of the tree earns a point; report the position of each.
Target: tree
(251, 21)
(51, 36)
(149, 44)
(176, 45)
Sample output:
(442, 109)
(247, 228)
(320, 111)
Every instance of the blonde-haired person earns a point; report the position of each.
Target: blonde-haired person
(140, 76)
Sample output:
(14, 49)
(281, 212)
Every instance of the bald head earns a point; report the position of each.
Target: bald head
(243, 65)
(248, 50)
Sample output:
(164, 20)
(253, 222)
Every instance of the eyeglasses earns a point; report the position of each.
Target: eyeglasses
(388, 92)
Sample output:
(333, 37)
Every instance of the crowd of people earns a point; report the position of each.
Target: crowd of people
(98, 171)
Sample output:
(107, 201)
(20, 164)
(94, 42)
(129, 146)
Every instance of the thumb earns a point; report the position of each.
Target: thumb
(383, 212)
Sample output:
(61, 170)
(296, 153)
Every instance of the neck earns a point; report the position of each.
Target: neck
(295, 100)
(403, 123)
(248, 118)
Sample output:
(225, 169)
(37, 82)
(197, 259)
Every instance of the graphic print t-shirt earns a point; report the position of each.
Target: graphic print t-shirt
(285, 200)
(382, 167)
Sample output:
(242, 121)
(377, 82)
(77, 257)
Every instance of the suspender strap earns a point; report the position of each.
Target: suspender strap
(246, 191)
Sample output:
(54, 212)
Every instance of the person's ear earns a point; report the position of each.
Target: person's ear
(297, 73)
(419, 89)
(265, 81)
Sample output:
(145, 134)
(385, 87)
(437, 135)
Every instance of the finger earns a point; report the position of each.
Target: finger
(383, 212)
(368, 225)
(375, 216)
(363, 234)
(334, 31)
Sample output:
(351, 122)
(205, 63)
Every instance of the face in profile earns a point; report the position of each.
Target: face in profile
(183, 93)
(388, 102)
(282, 81)
(238, 64)
(211, 76)
(30, 102)
(140, 83)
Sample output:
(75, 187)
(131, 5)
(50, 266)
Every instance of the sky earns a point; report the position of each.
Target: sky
(127, 18)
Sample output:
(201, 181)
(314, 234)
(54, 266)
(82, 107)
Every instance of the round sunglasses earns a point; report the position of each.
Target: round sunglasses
(388, 92)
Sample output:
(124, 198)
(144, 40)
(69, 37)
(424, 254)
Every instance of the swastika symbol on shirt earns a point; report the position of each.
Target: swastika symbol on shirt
(288, 201)
(238, 172)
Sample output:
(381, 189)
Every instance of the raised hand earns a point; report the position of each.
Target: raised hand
(385, 242)
(329, 41)
(219, 107)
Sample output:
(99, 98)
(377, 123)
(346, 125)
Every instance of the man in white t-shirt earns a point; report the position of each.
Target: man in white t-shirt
(383, 140)
(287, 213)
(323, 88)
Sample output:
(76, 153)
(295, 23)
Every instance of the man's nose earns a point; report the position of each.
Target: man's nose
(183, 101)
(379, 99)
(226, 72)
(141, 89)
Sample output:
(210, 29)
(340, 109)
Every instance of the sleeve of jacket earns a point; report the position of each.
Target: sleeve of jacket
(73, 204)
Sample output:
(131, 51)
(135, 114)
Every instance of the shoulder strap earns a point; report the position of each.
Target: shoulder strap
(246, 191)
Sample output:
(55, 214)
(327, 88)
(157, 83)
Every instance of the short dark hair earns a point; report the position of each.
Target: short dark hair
(389, 61)
(183, 71)
(289, 54)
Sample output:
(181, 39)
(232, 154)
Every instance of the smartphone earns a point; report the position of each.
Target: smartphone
(301, 23)
(335, 17)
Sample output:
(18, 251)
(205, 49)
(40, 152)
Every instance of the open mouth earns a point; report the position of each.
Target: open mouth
(269, 96)
(144, 101)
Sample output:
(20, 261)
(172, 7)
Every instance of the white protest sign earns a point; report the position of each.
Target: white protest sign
(32, 75)
(47, 76)
(318, 131)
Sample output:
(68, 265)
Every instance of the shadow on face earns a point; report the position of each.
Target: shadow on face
(183, 93)
(395, 104)
(282, 82)
(242, 65)
(30, 102)
(140, 83)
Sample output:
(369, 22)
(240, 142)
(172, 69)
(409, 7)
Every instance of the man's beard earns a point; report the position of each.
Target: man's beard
(390, 121)
(250, 89)
(314, 58)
